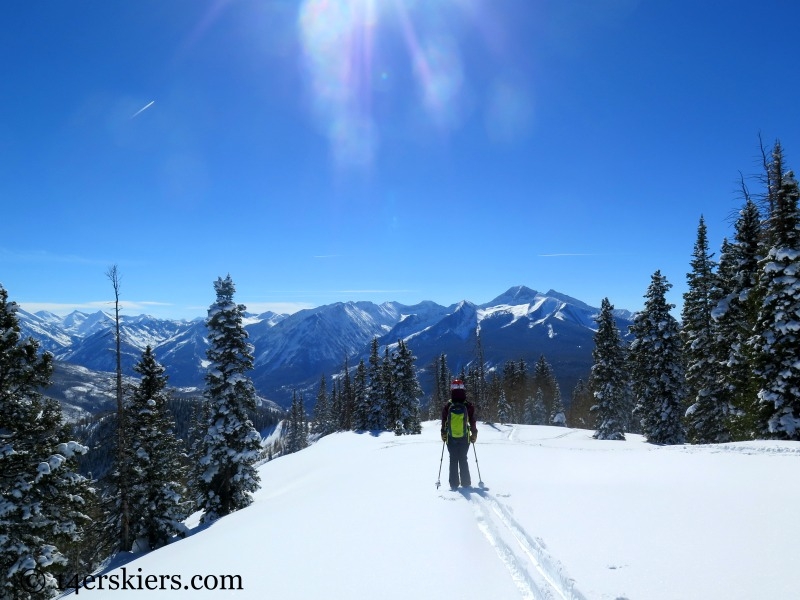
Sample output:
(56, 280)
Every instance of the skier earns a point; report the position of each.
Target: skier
(458, 430)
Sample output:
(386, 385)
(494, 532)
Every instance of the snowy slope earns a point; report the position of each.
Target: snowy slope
(565, 516)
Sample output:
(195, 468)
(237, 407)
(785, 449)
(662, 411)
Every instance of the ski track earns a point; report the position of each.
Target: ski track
(512, 435)
(535, 573)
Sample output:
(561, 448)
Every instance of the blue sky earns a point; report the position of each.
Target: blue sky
(334, 150)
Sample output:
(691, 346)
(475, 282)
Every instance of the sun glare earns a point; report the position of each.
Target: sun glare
(338, 39)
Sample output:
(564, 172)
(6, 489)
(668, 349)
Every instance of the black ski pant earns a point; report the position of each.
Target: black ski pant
(458, 450)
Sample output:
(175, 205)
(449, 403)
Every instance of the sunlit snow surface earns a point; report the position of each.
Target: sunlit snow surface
(564, 516)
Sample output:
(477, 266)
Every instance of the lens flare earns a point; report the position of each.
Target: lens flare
(337, 42)
(339, 46)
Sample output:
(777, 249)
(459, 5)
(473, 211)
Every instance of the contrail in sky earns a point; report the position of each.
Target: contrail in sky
(144, 108)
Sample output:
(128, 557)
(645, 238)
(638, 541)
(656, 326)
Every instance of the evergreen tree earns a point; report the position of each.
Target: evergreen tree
(539, 408)
(226, 473)
(376, 400)
(509, 381)
(544, 378)
(360, 393)
(735, 316)
(391, 419)
(515, 384)
(407, 391)
(558, 414)
(443, 384)
(439, 393)
(503, 408)
(493, 388)
(657, 367)
(348, 400)
(777, 337)
(297, 426)
(157, 494)
(197, 433)
(521, 385)
(42, 498)
(290, 427)
(335, 404)
(707, 417)
(478, 382)
(322, 425)
(579, 413)
(608, 377)
(527, 410)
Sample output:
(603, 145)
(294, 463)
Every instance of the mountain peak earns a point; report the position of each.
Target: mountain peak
(519, 294)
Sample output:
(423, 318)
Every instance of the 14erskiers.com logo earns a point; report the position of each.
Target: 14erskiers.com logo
(35, 580)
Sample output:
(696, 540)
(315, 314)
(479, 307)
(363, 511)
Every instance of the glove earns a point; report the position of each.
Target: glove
(473, 437)
(444, 437)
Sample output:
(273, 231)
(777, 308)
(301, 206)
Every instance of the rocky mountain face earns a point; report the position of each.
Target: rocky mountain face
(293, 351)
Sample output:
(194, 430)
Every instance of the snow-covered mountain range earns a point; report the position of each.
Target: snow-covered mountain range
(293, 351)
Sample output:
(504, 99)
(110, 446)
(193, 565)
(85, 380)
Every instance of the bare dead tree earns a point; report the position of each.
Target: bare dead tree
(114, 276)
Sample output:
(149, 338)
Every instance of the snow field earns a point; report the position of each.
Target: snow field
(564, 516)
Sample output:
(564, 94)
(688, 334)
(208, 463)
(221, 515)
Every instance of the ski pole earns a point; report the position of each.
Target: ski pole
(439, 478)
(480, 479)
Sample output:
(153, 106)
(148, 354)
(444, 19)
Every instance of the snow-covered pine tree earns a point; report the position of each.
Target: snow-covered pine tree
(158, 503)
(290, 427)
(478, 383)
(558, 414)
(305, 425)
(777, 336)
(433, 401)
(443, 380)
(539, 408)
(544, 378)
(515, 383)
(197, 433)
(297, 426)
(735, 316)
(335, 406)
(407, 391)
(42, 498)
(503, 408)
(527, 410)
(509, 380)
(493, 388)
(579, 413)
(658, 378)
(391, 417)
(321, 424)
(226, 473)
(707, 415)
(376, 400)
(348, 400)
(522, 384)
(360, 406)
(472, 384)
(608, 377)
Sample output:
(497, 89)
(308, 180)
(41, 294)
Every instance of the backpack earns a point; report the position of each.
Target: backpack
(457, 420)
